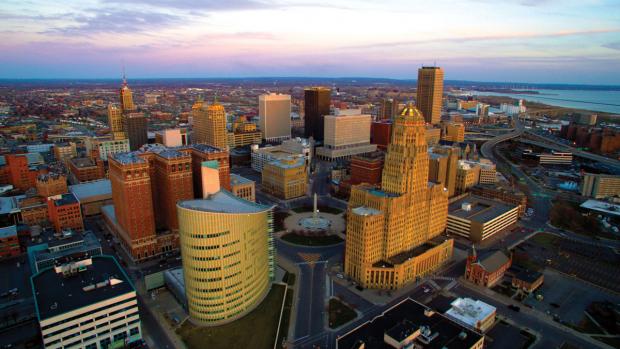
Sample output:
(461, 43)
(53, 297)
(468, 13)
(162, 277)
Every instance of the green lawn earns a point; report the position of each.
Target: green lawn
(544, 239)
(339, 313)
(322, 240)
(255, 330)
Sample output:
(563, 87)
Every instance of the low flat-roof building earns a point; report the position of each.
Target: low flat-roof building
(242, 187)
(600, 186)
(477, 219)
(410, 324)
(475, 314)
(9, 244)
(92, 195)
(289, 147)
(285, 178)
(603, 207)
(69, 245)
(528, 280)
(88, 303)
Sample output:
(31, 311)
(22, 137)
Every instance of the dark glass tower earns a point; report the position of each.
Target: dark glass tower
(316, 106)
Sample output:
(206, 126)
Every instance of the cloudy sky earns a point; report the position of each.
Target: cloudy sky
(563, 41)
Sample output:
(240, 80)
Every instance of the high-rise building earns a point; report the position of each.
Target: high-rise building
(136, 129)
(173, 177)
(317, 101)
(115, 121)
(389, 109)
(133, 204)
(448, 177)
(285, 178)
(210, 126)
(228, 256)
(346, 133)
(430, 93)
(126, 98)
(102, 147)
(86, 303)
(274, 115)
(393, 231)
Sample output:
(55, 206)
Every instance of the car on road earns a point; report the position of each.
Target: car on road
(514, 307)
(340, 276)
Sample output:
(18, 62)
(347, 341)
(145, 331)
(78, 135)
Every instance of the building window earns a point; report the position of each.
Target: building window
(134, 331)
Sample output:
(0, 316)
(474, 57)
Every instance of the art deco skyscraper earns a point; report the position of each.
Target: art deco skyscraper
(210, 126)
(392, 231)
(316, 105)
(430, 93)
(126, 97)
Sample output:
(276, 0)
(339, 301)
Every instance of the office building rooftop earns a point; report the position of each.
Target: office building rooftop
(57, 293)
(410, 318)
(223, 202)
(478, 209)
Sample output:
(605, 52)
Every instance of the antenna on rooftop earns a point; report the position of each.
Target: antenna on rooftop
(124, 77)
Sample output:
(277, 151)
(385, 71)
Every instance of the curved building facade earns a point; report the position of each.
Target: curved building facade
(228, 256)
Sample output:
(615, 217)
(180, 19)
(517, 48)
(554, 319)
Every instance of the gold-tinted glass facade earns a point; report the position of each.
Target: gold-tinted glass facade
(227, 250)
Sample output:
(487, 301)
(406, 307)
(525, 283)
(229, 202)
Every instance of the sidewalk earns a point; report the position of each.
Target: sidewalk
(294, 269)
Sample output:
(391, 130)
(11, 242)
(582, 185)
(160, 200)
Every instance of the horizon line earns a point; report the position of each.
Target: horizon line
(617, 85)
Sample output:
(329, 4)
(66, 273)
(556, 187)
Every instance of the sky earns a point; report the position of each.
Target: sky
(544, 41)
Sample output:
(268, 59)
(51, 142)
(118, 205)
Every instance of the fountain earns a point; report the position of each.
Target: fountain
(315, 222)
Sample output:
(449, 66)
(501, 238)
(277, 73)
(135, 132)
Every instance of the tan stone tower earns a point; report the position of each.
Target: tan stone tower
(392, 232)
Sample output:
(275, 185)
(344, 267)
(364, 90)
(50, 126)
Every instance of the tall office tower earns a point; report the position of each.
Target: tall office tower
(467, 175)
(228, 256)
(133, 204)
(452, 154)
(346, 133)
(393, 231)
(210, 126)
(126, 98)
(136, 130)
(196, 107)
(78, 295)
(430, 93)
(274, 116)
(173, 175)
(389, 109)
(115, 121)
(316, 105)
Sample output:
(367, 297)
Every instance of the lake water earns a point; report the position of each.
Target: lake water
(603, 101)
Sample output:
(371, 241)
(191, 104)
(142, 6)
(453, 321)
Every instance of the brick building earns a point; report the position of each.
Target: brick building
(34, 210)
(20, 174)
(51, 184)
(367, 168)
(486, 270)
(64, 212)
(86, 169)
(9, 244)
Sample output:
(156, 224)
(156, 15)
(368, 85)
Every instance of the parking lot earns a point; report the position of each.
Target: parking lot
(591, 263)
(567, 298)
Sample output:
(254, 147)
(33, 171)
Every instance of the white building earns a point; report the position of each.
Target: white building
(296, 146)
(473, 313)
(555, 158)
(86, 304)
(106, 146)
(346, 133)
(513, 109)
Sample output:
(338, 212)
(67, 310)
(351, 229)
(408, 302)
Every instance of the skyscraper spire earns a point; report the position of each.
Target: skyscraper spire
(124, 77)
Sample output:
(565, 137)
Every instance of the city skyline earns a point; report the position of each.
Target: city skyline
(526, 41)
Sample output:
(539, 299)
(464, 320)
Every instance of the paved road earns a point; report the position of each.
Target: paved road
(553, 334)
